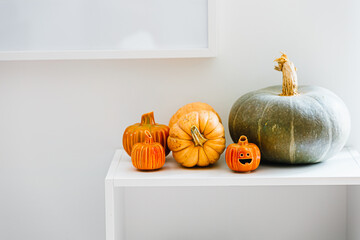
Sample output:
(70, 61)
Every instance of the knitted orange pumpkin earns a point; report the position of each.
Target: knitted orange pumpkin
(242, 156)
(148, 155)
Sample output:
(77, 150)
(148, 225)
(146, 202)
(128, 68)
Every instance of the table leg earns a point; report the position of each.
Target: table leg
(353, 212)
(110, 209)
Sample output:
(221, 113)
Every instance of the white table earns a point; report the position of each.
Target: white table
(343, 169)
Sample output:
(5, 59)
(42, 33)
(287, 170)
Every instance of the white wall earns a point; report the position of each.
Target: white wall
(60, 121)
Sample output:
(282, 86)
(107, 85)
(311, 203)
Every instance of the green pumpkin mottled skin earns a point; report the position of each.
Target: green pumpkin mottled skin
(307, 128)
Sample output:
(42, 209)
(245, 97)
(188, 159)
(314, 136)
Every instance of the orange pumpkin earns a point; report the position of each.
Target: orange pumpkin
(197, 139)
(190, 107)
(148, 155)
(136, 133)
(242, 156)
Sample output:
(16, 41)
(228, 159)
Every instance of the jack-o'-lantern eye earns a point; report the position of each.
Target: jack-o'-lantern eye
(241, 155)
(248, 154)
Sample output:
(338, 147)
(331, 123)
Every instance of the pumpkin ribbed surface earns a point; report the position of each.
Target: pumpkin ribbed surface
(242, 156)
(136, 133)
(198, 138)
(291, 124)
(149, 155)
(191, 107)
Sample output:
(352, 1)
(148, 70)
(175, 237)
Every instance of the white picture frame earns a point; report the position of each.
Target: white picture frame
(206, 52)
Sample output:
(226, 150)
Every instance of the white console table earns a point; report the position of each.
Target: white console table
(341, 170)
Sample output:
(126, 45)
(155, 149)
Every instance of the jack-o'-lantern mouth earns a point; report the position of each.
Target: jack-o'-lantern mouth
(245, 160)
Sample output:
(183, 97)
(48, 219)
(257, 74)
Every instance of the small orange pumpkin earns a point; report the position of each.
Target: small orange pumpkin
(148, 155)
(242, 156)
(136, 133)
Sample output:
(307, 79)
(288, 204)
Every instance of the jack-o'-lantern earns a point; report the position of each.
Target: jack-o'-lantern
(242, 156)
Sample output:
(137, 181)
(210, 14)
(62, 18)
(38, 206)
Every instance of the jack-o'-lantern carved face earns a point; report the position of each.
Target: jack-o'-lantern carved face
(242, 156)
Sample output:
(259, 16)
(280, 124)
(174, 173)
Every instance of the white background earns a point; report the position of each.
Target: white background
(61, 121)
(102, 25)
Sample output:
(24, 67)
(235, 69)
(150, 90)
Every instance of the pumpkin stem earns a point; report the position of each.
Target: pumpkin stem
(148, 137)
(290, 84)
(148, 118)
(198, 138)
(243, 140)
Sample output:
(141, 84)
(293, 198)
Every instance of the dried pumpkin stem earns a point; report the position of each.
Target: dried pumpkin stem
(290, 84)
(148, 118)
(198, 138)
(243, 140)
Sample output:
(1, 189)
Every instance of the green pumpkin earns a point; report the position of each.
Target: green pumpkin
(298, 126)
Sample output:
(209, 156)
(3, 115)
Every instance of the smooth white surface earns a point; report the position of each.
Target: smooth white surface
(353, 212)
(250, 213)
(80, 29)
(110, 54)
(61, 121)
(110, 196)
(200, 219)
(343, 169)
